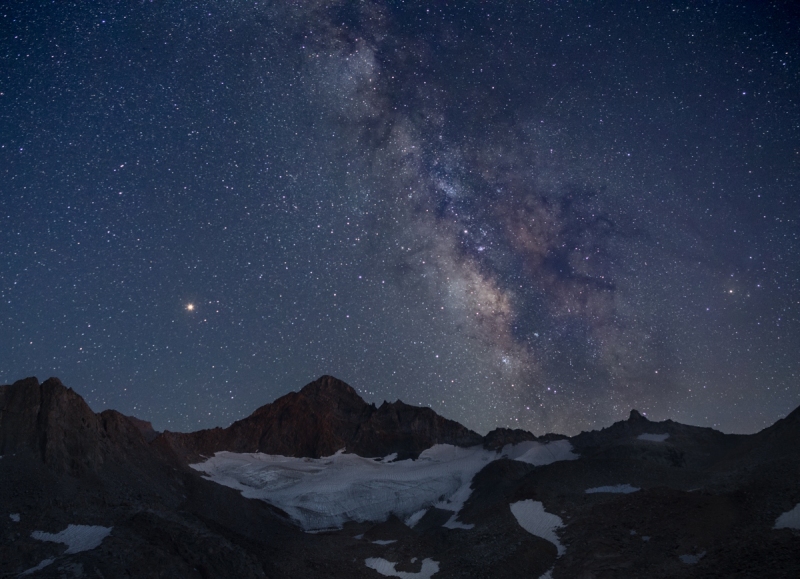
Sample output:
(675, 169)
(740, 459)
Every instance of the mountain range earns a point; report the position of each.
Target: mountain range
(320, 483)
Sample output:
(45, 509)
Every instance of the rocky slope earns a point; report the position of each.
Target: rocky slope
(706, 506)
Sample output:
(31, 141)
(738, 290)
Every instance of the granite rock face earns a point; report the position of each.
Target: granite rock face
(145, 428)
(54, 423)
(326, 416)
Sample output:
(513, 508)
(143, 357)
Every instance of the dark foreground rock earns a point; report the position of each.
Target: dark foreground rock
(706, 507)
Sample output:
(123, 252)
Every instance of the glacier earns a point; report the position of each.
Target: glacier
(325, 493)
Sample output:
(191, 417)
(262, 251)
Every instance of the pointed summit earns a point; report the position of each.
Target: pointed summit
(331, 392)
(636, 416)
(328, 385)
(325, 416)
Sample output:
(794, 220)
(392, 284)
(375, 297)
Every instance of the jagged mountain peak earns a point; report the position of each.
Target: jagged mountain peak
(31, 385)
(499, 437)
(329, 387)
(55, 424)
(30, 381)
(325, 416)
(636, 416)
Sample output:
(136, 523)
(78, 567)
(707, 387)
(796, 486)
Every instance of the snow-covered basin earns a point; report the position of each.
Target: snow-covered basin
(327, 492)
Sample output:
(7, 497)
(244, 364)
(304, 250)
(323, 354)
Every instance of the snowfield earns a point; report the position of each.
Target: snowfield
(327, 492)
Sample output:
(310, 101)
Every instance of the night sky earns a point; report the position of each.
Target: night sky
(526, 214)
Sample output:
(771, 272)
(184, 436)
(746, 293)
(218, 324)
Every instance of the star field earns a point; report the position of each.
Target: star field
(535, 215)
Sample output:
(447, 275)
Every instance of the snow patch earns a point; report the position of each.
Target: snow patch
(624, 489)
(532, 517)
(41, 565)
(327, 492)
(539, 454)
(77, 538)
(382, 542)
(789, 519)
(547, 574)
(692, 559)
(452, 523)
(389, 458)
(14, 517)
(653, 437)
(412, 521)
(387, 568)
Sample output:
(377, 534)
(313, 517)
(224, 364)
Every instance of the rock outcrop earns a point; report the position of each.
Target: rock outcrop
(145, 428)
(54, 424)
(499, 437)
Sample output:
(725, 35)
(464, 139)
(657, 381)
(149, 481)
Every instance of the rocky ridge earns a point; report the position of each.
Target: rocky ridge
(705, 495)
(56, 425)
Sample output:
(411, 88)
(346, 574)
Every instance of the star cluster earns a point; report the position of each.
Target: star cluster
(534, 215)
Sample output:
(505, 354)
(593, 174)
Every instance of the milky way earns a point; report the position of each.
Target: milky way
(529, 215)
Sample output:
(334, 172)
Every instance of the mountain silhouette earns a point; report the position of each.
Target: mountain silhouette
(85, 494)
